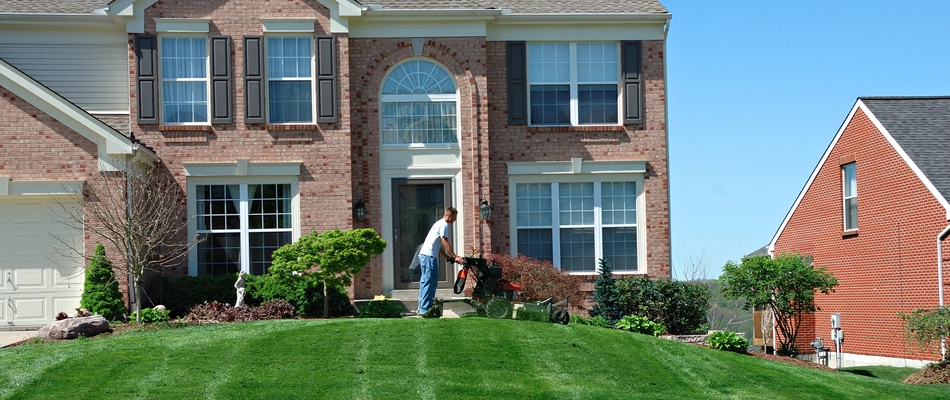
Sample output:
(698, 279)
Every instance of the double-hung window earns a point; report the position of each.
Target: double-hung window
(241, 225)
(576, 223)
(574, 83)
(184, 80)
(849, 179)
(290, 79)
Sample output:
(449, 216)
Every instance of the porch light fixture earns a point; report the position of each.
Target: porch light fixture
(360, 210)
(484, 210)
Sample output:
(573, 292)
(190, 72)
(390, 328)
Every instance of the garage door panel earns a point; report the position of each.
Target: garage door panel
(67, 277)
(29, 309)
(29, 278)
(67, 305)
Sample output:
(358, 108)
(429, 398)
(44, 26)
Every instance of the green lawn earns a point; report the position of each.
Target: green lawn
(414, 358)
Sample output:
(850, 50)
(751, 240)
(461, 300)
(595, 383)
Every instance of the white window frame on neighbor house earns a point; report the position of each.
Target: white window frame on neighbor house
(241, 174)
(590, 175)
(849, 194)
(563, 64)
(273, 74)
(428, 91)
(178, 31)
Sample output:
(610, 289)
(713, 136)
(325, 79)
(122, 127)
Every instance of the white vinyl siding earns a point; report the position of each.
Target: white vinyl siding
(93, 76)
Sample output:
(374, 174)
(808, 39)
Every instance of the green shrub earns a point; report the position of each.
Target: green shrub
(680, 306)
(598, 321)
(728, 341)
(180, 295)
(529, 314)
(606, 295)
(100, 293)
(381, 309)
(152, 315)
(303, 292)
(638, 324)
(540, 280)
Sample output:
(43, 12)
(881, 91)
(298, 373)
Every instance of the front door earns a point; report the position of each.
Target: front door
(417, 204)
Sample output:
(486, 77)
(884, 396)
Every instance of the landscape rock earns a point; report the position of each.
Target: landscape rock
(71, 328)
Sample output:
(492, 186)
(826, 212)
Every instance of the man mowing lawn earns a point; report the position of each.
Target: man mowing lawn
(437, 242)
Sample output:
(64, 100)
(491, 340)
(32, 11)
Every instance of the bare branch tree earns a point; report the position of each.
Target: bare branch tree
(695, 269)
(139, 212)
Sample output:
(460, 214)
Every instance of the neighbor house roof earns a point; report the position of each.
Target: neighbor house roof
(530, 6)
(51, 6)
(921, 126)
(918, 128)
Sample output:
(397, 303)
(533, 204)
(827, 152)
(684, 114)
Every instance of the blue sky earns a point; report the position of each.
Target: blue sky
(757, 90)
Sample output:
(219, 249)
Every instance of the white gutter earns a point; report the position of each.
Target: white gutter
(940, 237)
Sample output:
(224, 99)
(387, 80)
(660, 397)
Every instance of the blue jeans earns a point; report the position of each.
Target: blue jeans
(428, 282)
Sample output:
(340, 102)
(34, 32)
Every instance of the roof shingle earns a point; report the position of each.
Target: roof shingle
(51, 6)
(530, 6)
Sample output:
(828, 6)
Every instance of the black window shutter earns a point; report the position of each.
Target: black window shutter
(253, 80)
(220, 80)
(517, 83)
(632, 83)
(146, 71)
(326, 79)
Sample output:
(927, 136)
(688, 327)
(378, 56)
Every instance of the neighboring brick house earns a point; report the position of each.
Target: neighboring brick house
(279, 118)
(875, 212)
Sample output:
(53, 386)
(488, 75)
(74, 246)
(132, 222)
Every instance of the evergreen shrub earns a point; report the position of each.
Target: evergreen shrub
(101, 293)
(380, 309)
(680, 306)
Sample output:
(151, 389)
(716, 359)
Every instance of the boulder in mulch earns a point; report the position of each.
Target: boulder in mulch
(71, 328)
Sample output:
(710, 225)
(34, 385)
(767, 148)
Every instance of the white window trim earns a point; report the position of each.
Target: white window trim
(581, 171)
(389, 98)
(845, 197)
(206, 79)
(312, 79)
(574, 104)
(182, 25)
(242, 173)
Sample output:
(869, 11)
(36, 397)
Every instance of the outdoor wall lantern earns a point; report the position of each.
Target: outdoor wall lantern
(360, 210)
(484, 210)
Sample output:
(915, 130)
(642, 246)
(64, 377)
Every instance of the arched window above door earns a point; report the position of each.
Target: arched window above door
(419, 105)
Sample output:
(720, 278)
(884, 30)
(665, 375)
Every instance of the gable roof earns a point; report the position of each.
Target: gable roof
(51, 6)
(918, 128)
(530, 6)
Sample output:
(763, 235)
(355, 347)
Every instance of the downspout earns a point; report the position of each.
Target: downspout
(940, 237)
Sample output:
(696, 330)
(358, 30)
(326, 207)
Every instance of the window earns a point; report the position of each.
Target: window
(850, 195)
(575, 224)
(241, 225)
(290, 79)
(184, 76)
(574, 83)
(419, 105)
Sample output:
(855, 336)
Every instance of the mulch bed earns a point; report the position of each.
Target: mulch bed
(934, 373)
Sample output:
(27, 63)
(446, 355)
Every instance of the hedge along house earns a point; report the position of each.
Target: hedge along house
(875, 212)
(282, 118)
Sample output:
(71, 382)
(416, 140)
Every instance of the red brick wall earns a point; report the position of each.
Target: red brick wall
(889, 266)
(323, 149)
(36, 147)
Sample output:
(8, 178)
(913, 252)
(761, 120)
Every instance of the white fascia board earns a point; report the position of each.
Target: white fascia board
(340, 12)
(858, 105)
(132, 12)
(187, 25)
(574, 27)
(422, 23)
(109, 142)
(243, 167)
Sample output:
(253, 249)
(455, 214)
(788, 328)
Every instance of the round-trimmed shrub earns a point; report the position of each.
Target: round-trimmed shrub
(381, 309)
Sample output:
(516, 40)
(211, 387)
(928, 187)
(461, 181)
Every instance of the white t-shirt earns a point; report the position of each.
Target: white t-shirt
(433, 242)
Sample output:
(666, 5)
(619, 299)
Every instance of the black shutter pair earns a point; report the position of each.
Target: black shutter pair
(254, 91)
(518, 83)
(147, 80)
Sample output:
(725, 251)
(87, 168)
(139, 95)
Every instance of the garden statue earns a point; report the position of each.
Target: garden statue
(239, 285)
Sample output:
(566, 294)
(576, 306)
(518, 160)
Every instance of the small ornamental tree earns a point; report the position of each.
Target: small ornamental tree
(786, 285)
(100, 293)
(331, 257)
(606, 295)
(927, 327)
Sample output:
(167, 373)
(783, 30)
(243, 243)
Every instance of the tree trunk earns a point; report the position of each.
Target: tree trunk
(138, 299)
(326, 300)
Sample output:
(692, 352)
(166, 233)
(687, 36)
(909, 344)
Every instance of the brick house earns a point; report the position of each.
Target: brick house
(280, 118)
(875, 212)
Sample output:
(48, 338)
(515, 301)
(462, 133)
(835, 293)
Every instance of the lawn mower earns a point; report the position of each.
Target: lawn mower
(493, 295)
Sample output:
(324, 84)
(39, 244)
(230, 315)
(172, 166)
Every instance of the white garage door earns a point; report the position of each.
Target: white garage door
(40, 277)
